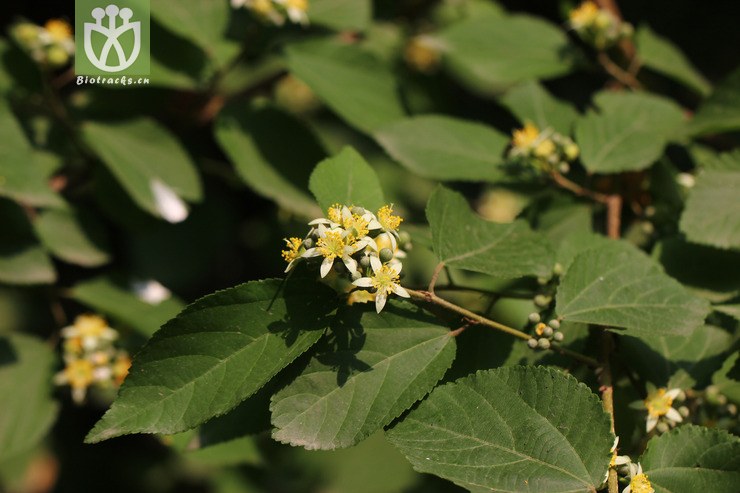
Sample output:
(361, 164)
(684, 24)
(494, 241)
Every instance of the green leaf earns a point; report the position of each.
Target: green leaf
(727, 378)
(445, 148)
(693, 458)
(712, 213)
(732, 310)
(346, 179)
(255, 141)
(708, 272)
(242, 450)
(491, 53)
(117, 299)
(24, 171)
(377, 366)
(28, 410)
(74, 235)
(678, 361)
(616, 285)
(341, 14)
(514, 429)
(352, 82)
(141, 153)
(462, 239)
(627, 133)
(22, 259)
(721, 111)
(204, 22)
(530, 102)
(216, 353)
(661, 55)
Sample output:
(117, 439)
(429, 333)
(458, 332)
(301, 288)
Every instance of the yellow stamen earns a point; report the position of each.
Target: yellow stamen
(291, 253)
(584, 15)
(387, 220)
(356, 225)
(658, 404)
(334, 213)
(384, 279)
(301, 5)
(79, 373)
(641, 484)
(540, 328)
(525, 136)
(545, 149)
(262, 7)
(332, 245)
(90, 325)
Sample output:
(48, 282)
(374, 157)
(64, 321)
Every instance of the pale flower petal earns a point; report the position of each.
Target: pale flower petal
(363, 282)
(375, 263)
(171, 207)
(326, 266)
(400, 291)
(380, 300)
(673, 415)
(652, 422)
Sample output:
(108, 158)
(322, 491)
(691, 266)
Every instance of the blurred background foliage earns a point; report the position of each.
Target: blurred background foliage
(226, 126)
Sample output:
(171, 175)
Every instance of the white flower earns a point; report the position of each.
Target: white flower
(659, 404)
(150, 291)
(297, 10)
(639, 483)
(333, 244)
(384, 280)
(91, 330)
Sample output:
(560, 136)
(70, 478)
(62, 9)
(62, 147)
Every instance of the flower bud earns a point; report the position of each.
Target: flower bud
(532, 343)
(543, 343)
(365, 262)
(542, 301)
(57, 56)
(534, 317)
(554, 323)
(547, 331)
(684, 411)
(557, 269)
(558, 336)
(386, 255)
(571, 151)
(662, 427)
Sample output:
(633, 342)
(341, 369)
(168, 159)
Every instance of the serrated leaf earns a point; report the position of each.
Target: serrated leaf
(514, 429)
(445, 148)
(491, 53)
(661, 55)
(530, 102)
(462, 239)
(616, 285)
(28, 411)
(628, 131)
(141, 153)
(254, 140)
(378, 366)
(115, 298)
(346, 179)
(73, 235)
(216, 353)
(24, 171)
(351, 81)
(693, 458)
(22, 259)
(712, 213)
(341, 14)
(678, 361)
(721, 111)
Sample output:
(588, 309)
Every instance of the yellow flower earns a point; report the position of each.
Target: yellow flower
(584, 15)
(334, 213)
(385, 280)
(387, 220)
(525, 136)
(301, 5)
(545, 149)
(355, 225)
(422, 54)
(291, 252)
(639, 483)
(58, 29)
(262, 7)
(540, 328)
(332, 245)
(78, 374)
(91, 329)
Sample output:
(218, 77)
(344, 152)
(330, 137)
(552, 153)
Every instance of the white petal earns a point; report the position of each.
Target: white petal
(61, 378)
(375, 263)
(400, 291)
(363, 282)
(168, 204)
(102, 373)
(290, 266)
(370, 242)
(621, 460)
(321, 220)
(326, 266)
(674, 415)
(311, 252)
(396, 266)
(150, 291)
(627, 489)
(70, 331)
(351, 264)
(651, 423)
(614, 445)
(78, 394)
(380, 300)
(237, 3)
(673, 393)
(373, 224)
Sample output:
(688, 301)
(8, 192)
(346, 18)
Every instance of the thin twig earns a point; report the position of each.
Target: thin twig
(435, 275)
(623, 76)
(607, 397)
(489, 292)
(614, 216)
(577, 189)
(473, 317)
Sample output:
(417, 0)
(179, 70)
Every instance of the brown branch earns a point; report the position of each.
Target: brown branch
(614, 216)
(435, 275)
(623, 76)
(627, 46)
(577, 189)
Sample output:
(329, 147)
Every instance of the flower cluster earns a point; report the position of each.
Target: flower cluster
(546, 333)
(361, 248)
(276, 11)
(51, 44)
(546, 150)
(659, 405)
(598, 27)
(90, 357)
(639, 482)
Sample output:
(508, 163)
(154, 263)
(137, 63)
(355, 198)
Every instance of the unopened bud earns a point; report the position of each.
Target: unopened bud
(542, 301)
(532, 343)
(684, 411)
(543, 343)
(554, 323)
(386, 255)
(558, 336)
(534, 317)
(547, 331)
(662, 427)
